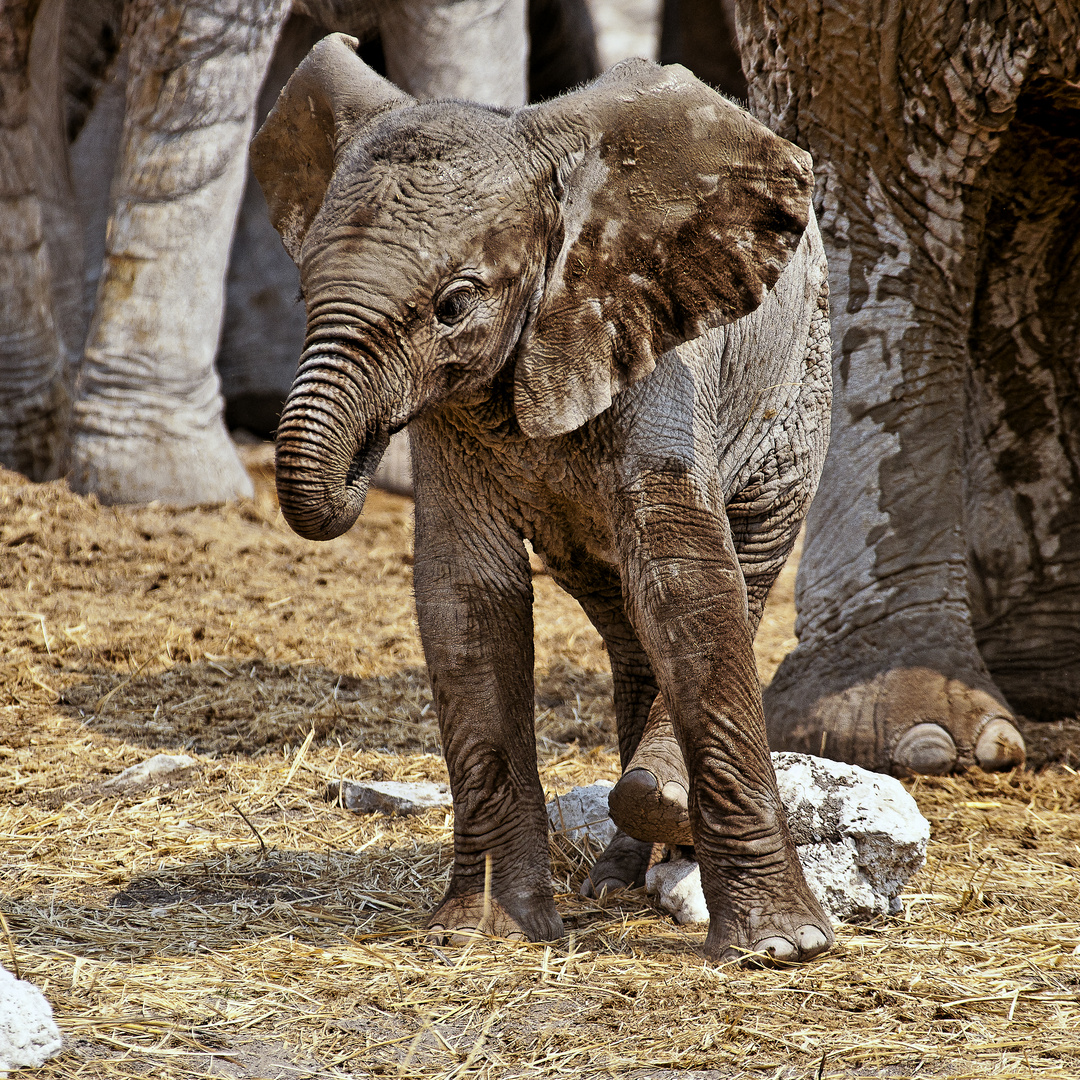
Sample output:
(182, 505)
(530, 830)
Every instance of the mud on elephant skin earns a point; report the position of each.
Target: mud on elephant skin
(514, 286)
(939, 586)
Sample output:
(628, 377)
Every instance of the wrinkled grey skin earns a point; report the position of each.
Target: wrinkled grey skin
(939, 588)
(112, 283)
(511, 285)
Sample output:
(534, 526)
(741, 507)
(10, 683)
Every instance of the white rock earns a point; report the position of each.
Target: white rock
(859, 836)
(28, 1034)
(389, 796)
(677, 888)
(156, 770)
(583, 812)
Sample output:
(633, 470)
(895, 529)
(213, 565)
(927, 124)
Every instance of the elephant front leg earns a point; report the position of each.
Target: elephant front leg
(474, 605)
(687, 599)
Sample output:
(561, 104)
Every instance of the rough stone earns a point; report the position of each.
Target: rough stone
(583, 812)
(676, 885)
(154, 770)
(389, 796)
(28, 1034)
(859, 836)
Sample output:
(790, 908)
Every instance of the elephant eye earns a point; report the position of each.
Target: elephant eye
(455, 302)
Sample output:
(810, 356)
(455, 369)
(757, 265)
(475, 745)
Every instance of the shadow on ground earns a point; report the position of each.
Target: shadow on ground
(250, 706)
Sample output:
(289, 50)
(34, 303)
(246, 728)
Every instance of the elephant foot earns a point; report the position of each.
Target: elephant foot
(905, 720)
(650, 801)
(791, 932)
(182, 465)
(461, 919)
(760, 908)
(622, 865)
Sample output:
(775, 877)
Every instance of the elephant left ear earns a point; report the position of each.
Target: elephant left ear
(677, 213)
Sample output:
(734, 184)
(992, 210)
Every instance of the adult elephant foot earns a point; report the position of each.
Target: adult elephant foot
(650, 801)
(622, 865)
(461, 919)
(903, 718)
(183, 465)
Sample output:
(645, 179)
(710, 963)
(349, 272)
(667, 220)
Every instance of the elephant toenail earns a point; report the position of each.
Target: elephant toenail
(674, 793)
(626, 798)
(999, 747)
(811, 940)
(636, 784)
(926, 748)
(778, 948)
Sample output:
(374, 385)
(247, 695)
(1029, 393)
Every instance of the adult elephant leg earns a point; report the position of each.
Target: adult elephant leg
(147, 416)
(888, 672)
(474, 607)
(701, 34)
(264, 323)
(472, 49)
(1023, 471)
(39, 242)
(689, 610)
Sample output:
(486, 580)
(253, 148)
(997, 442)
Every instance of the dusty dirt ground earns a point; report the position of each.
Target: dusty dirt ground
(233, 923)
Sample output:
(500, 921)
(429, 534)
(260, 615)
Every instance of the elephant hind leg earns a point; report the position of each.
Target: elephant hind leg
(650, 801)
(622, 865)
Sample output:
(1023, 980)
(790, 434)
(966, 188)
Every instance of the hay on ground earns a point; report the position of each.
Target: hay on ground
(234, 924)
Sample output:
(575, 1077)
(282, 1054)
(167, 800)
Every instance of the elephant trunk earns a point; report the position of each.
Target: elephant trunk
(329, 442)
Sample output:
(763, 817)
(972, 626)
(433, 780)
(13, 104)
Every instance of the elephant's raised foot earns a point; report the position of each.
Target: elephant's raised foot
(621, 866)
(905, 720)
(650, 801)
(461, 919)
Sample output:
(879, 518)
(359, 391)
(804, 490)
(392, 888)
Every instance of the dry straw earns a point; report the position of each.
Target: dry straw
(235, 924)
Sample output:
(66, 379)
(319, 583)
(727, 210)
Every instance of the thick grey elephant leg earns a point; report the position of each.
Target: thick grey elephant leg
(147, 417)
(40, 252)
(472, 49)
(888, 671)
(474, 607)
(263, 327)
(1023, 414)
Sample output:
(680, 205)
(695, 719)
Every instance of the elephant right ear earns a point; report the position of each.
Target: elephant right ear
(329, 96)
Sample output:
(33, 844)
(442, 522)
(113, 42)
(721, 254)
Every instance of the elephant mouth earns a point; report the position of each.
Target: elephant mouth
(366, 460)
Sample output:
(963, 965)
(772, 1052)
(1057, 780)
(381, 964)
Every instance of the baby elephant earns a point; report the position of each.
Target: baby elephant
(604, 320)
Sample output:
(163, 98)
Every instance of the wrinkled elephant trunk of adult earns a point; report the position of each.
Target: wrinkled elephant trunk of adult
(328, 446)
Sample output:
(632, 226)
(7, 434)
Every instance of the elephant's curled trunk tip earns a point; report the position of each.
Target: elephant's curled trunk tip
(321, 487)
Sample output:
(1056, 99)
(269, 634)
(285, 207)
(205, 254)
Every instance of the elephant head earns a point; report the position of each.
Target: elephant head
(443, 244)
